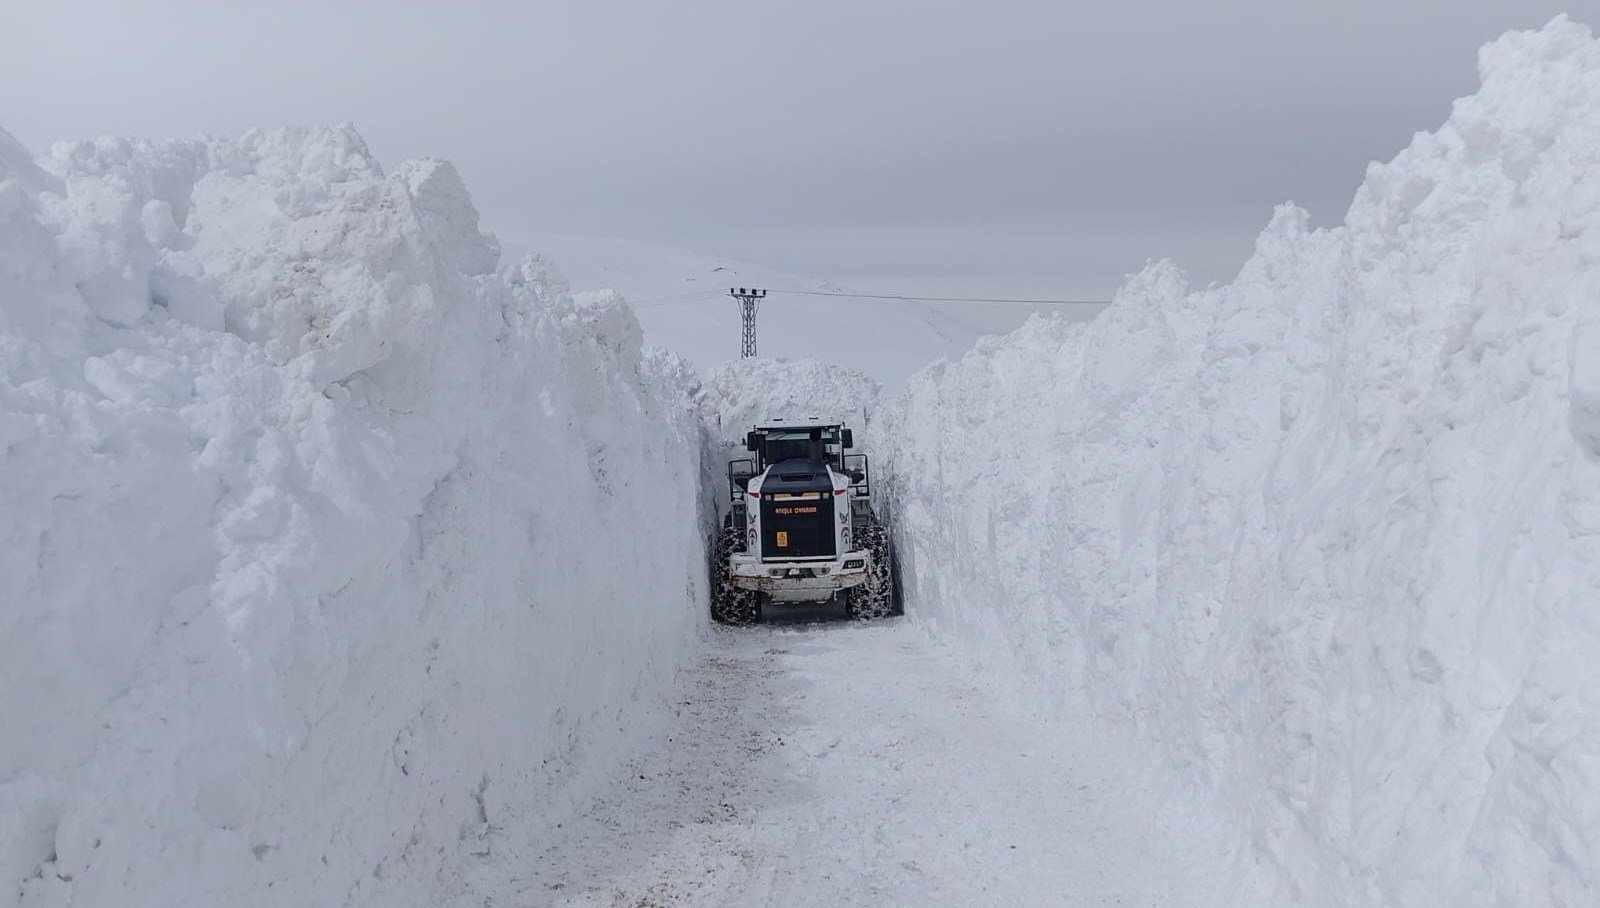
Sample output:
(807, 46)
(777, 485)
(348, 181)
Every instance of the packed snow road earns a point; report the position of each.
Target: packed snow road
(844, 764)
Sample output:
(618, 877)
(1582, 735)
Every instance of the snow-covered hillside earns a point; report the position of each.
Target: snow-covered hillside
(682, 301)
(1323, 544)
(320, 547)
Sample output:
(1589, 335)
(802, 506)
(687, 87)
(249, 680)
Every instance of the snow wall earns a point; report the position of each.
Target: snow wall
(326, 545)
(1320, 549)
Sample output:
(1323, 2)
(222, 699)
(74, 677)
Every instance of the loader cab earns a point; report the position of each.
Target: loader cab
(800, 442)
(820, 443)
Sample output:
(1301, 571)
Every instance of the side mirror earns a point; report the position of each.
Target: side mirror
(752, 442)
(847, 438)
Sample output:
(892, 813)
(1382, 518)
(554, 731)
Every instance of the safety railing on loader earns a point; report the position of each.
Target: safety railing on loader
(740, 472)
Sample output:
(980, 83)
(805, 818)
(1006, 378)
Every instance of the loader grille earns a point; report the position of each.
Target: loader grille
(797, 526)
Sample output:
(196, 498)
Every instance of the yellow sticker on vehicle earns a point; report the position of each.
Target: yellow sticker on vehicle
(783, 539)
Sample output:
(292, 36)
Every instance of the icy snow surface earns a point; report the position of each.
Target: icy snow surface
(846, 765)
(321, 536)
(1325, 542)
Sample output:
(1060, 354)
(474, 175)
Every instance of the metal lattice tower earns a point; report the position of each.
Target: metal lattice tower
(749, 301)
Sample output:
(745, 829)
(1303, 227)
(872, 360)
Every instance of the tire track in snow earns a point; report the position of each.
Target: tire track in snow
(841, 764)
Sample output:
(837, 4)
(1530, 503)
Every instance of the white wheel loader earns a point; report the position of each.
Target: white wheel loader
(801, 527)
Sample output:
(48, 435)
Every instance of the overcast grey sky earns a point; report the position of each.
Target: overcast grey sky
(995, 147)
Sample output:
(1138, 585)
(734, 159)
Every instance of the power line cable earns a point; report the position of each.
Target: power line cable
(679, 299)
(671, 296)
(675, 300)
(948, 299)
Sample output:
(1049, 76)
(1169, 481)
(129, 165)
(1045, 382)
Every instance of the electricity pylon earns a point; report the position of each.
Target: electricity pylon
(749, 300)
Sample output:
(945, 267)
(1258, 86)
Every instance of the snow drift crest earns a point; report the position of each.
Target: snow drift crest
(739, 394)
(1325, 543)
(302, 504)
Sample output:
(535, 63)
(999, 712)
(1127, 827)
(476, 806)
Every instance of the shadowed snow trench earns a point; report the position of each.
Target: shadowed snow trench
(843, 764)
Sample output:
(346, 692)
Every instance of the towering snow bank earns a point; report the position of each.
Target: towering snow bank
(321, 539)
(1325, 543)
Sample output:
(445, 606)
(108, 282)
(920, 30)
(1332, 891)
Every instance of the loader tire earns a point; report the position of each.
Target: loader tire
(875, 598)
(730, 604)
(897, 600)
